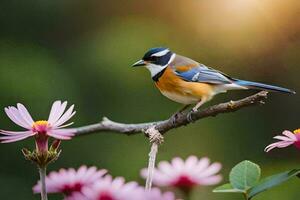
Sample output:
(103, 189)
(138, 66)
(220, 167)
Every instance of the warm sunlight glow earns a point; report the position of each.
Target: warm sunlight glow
(243, 5)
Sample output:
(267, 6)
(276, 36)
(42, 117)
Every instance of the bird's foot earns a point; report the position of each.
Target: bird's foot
(190, 115)
(195, 109)
(175, 117)
(231, 104)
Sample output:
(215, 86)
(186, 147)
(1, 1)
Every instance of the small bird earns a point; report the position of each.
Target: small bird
(186, 81)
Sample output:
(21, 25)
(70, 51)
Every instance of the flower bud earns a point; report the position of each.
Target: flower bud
(55, 145)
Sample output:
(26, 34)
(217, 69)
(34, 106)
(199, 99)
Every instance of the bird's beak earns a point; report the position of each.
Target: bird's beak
(139, 63)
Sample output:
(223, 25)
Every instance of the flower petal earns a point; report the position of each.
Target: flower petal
(25, 114)
(166, 168)
(191, 162)
(66, 125)
(212, 180)
(118, 182)
(15, 137)
(202, 165)
(280, 144)
(57, 110)
(283, 138)
(177, 164)
(60, 137)
(64, 132)
(290, 135)
(4, 132)
(14, 116)
(65, 117)
(212, 169)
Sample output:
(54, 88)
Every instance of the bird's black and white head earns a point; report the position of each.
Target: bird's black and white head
(156, 60)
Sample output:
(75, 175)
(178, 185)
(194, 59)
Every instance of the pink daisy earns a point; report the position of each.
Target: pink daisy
(40, 129)
(68, 181)
(186, 174)
(108, 188)
(156, 194)
(288, 139)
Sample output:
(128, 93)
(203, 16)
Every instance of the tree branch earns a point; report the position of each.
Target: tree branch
(106, 125)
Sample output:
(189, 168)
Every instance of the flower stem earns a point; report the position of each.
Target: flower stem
(42, 171)
(246, 196)
(187, 194)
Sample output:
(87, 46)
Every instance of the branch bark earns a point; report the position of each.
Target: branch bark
(107, 125)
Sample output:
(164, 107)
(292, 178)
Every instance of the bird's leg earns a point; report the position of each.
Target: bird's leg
(175, 115)
(195, 109)
(200, 103)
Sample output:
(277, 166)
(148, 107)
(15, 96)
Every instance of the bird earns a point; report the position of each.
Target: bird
(189, 82)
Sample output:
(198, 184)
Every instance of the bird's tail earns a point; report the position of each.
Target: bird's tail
(262, 86)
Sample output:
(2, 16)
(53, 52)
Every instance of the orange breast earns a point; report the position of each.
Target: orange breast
(182, 91)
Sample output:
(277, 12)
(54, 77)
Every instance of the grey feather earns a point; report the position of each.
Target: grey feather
(182, 61)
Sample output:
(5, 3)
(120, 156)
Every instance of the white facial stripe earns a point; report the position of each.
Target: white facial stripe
(154, 69)
(172, 58)
(161, 53)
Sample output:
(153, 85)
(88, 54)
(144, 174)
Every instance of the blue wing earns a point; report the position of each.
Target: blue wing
(204, 74)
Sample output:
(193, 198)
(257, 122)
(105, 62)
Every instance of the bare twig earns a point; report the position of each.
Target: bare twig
(182, 119)
(155, 139)
(42, 171)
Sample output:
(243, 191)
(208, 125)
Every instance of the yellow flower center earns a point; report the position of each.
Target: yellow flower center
(297, 131)
(40, 123)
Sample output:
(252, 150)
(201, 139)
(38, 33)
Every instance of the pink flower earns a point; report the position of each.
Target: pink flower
(156, 194)
(40, 129)
(68, 181)
(110, 189)
(287, 140)
(186, 174)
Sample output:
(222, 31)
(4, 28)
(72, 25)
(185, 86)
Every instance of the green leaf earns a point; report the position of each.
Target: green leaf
(244, 175)
(227, 188)
(272, 181)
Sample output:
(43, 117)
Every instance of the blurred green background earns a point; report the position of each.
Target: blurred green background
(81, 51)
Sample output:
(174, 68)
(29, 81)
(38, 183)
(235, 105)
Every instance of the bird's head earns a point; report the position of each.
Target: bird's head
(156, 60)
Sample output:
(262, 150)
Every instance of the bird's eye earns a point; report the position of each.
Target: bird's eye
(154, 58)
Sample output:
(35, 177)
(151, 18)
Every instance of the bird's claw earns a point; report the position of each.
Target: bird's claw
(194, 109)
(190, 117)
(231, 104)
(174, 118)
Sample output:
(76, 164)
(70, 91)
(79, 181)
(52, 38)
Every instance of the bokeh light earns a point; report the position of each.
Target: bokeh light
(81, 51)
